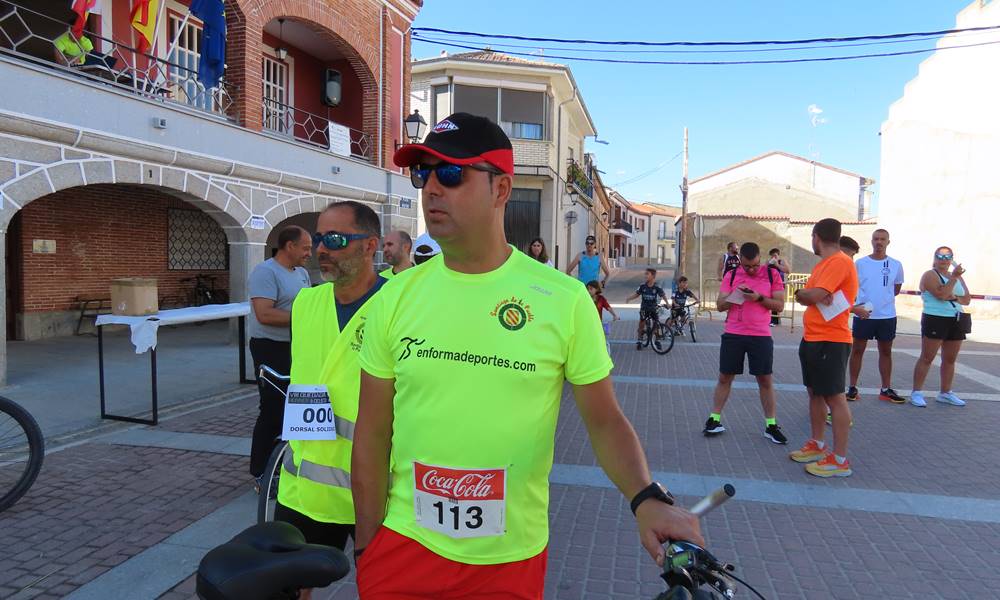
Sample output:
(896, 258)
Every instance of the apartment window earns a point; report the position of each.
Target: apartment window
(482, 101)
(276, 110)
(195, 242)
(183, 68)
(642, 225)
(440, 103)
(661, 254)
(522, 218)
(522, 114)
(663, 230)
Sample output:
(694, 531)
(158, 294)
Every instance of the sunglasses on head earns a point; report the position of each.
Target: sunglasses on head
(448, 175)
(944, 256)
(336, 241)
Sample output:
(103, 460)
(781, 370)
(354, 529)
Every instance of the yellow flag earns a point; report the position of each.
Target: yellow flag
(144, 13)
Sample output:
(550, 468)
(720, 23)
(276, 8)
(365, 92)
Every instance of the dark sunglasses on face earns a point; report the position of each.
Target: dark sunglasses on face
(448, 175)
(336, 241)
(944, 256)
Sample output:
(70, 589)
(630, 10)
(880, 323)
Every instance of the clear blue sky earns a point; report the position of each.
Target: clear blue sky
(732, 112)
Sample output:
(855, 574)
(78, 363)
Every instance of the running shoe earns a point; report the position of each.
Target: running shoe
(809, 452)
(852, 394)
(917, 399)
(713, 427)
(949, 398)
(773, 433)
(890, 395)
(829, 467)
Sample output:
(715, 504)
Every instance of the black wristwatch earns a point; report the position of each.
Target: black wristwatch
(653, 490)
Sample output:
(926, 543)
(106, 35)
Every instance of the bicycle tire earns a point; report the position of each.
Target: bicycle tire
(220, 297)
(692, 328)
(666, 342)
(35, 446)
(268, 494)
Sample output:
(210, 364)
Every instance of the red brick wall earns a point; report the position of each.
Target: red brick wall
(102, 232)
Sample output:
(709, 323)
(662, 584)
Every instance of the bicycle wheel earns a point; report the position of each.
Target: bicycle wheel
(22, 449)
(692, 328)
(268, 494)
(664, 341)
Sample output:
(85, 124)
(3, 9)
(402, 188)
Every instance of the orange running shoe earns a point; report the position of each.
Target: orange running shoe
(810, 452)
(829, 467)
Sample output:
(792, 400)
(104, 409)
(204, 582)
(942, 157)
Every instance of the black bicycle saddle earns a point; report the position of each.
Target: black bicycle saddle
(268, 560)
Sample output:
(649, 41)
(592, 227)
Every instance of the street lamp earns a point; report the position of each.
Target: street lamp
(415, 126)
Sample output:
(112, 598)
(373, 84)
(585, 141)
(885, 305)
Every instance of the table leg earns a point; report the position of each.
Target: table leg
(152, 369)
(100, 366)
(242, 321)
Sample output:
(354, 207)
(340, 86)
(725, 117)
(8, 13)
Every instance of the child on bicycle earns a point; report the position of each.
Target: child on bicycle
(602, 304)
(678, 300)
(649, 305)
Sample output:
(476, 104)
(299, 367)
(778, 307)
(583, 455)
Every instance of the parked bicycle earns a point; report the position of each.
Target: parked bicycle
(656, 334)
(22, 449)
(268, 492)
(684, 320)
(204, 291)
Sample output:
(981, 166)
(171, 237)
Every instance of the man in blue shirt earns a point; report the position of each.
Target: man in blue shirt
(591, 264)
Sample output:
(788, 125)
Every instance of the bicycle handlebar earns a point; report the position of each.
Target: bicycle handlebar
(271, 376)
(713, 500)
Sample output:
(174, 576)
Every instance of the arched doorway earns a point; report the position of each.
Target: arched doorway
(67, 246)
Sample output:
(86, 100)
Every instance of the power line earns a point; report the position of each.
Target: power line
(732, 51)
(647, 173)
(718, 62)
(857, 38)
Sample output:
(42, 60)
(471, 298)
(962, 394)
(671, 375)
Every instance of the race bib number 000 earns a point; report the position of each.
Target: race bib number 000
(460, 503)
(308, 414)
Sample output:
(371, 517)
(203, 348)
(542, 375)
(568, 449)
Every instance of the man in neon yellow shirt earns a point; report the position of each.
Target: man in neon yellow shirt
(71, 51)
(396, 247)
(460, 394)
(328, 322)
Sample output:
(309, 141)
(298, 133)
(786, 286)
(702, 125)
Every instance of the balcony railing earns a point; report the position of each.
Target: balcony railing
(623, 225)
(311, 129)
(577, 180)
(28, 34)
(665, 236)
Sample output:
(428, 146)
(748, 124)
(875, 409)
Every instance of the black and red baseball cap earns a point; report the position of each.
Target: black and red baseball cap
(462, 139)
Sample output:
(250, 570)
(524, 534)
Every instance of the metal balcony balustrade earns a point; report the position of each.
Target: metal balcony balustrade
(623, 225)
(27, 34)
(577, 180)
(311, 129)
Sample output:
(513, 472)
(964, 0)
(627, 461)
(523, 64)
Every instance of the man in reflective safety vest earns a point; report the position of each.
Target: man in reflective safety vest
(328, 321)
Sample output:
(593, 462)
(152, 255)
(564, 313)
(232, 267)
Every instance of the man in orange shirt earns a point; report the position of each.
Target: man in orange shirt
(825, 349)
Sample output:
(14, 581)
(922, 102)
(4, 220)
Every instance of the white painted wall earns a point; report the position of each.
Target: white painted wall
(940, 147)
(790, 173)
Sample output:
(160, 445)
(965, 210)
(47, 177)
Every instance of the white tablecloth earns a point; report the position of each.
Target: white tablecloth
(144, 328)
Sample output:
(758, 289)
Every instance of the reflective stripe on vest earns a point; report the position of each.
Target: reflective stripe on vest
(314, 472)
(345, 427)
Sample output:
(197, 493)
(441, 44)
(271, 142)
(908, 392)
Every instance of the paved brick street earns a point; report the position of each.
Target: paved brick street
(918, 519)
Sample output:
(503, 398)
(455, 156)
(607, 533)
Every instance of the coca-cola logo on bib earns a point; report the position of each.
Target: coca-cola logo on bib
(459, 484)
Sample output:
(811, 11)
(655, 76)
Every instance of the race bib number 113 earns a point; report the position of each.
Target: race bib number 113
(460, 503)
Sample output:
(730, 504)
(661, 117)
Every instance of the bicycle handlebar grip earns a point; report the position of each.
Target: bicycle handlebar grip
(272, 373)
(713, 500)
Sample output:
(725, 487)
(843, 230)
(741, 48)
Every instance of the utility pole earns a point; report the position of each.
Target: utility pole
(684, 210)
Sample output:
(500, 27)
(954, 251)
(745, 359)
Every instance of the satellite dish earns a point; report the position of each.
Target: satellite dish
(570, 217)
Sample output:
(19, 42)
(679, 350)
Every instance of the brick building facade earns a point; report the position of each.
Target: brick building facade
(138, 170)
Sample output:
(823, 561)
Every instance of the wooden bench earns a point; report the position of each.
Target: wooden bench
(90, 307)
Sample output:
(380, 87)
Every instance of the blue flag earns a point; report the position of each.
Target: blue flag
(213, 41)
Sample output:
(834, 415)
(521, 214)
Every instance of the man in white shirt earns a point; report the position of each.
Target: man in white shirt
(880, 277)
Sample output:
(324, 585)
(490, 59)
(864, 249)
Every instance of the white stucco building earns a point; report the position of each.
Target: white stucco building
(779, 183)
(940, 146)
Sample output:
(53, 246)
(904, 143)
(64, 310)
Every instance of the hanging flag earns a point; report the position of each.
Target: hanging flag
(213, 40)
(144, 14)
(83, 8)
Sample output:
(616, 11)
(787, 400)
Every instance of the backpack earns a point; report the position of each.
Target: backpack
(770, 275)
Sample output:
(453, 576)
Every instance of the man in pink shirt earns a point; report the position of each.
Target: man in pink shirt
(748, 294)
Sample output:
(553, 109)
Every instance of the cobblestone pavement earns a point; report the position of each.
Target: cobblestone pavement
(918, 519)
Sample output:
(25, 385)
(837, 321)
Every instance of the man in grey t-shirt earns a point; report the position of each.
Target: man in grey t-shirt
(273, 286)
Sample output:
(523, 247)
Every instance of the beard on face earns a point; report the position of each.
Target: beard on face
(344, 268)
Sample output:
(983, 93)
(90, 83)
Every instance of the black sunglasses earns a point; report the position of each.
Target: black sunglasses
(448, 175)
(336, 241)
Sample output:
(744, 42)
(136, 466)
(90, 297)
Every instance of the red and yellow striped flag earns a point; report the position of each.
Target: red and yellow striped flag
(144, 13)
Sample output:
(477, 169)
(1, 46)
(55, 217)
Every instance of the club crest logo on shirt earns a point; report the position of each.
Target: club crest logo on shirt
(359, 336)
(512, 313)
(443, 126)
